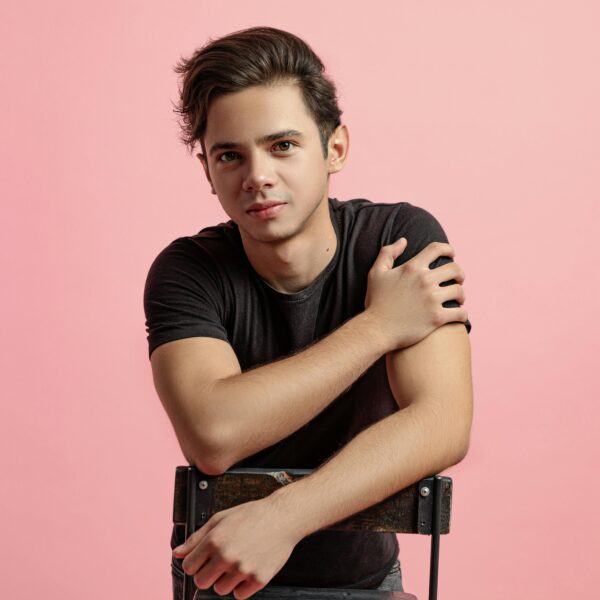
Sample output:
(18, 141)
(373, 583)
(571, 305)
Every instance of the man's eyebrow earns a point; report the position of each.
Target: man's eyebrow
(271, 137)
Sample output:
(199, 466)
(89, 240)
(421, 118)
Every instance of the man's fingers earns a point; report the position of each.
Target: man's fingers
(388, 254)
(194, 539)
(196, 558)
(210, 572)
(246, 589)
(228, 582)
(455, 315)
(448, 272)
(433, 251)
(453, 292)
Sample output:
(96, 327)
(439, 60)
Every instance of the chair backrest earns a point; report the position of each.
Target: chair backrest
(422, 508)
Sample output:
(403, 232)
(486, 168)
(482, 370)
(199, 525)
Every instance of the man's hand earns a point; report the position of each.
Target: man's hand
(407, 300)
(239, 549)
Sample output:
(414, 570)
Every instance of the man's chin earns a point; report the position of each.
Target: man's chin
(267, 235)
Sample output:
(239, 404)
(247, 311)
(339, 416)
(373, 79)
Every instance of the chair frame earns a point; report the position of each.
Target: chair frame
(423, 507)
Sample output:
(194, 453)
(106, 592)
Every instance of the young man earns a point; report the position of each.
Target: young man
(305, 332)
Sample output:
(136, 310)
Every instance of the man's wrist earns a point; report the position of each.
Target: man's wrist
(286, 507)
(376, 331)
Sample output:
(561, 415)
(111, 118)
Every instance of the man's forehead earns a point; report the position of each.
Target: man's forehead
(258, 114)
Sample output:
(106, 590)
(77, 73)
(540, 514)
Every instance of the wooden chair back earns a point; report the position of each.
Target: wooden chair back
(422, 508)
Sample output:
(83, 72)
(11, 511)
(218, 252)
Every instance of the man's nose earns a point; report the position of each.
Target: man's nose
(259, 174)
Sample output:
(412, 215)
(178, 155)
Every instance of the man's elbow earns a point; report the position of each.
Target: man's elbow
(450, 456)
(454, 441)
(211, 454)
(462, 452)
(209, 467)
(461, 447)
(462, 435)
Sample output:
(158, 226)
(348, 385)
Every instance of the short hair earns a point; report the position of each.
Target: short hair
(254, 56)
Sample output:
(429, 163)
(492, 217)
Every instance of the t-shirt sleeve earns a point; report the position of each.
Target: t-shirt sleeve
(420, 228)
(183, 296)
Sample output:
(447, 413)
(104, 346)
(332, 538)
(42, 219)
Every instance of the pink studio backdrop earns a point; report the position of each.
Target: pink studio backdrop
(484, 113)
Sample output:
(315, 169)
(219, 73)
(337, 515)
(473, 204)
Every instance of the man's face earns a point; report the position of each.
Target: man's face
(262, 145)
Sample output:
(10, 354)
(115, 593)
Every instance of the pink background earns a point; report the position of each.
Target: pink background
(484, 113)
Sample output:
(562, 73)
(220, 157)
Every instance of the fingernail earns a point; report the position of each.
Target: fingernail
(178, 549)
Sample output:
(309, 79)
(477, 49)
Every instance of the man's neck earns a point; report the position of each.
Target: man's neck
(293, 264)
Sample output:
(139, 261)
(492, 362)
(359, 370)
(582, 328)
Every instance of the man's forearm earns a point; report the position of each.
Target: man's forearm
(383, 459)
(261, 406)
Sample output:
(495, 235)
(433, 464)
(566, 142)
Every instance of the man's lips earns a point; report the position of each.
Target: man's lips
(264, 211)
(263, 205)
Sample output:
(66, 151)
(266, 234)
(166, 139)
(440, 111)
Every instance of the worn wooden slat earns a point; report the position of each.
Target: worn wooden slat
(398, 513)
(446, 508)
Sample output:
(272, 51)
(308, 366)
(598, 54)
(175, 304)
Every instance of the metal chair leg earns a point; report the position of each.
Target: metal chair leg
(190, 521)
(435, 539)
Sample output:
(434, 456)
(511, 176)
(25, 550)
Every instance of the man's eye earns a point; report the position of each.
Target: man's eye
(290, 144)
(284, 146)
(225, 154)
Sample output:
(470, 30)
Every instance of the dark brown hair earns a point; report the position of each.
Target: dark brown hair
(254, 56)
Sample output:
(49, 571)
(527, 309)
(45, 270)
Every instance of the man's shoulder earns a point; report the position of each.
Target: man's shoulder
(207, 253)
(215, 241)
(365, 207)
(365, 214)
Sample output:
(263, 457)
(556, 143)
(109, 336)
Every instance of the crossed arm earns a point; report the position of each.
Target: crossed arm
(218, 414)
(241, 549)
(431, 382)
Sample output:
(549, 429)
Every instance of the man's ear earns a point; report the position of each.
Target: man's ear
(202, 159)
(337, 149)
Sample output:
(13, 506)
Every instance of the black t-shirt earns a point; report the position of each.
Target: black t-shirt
(204, 285)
